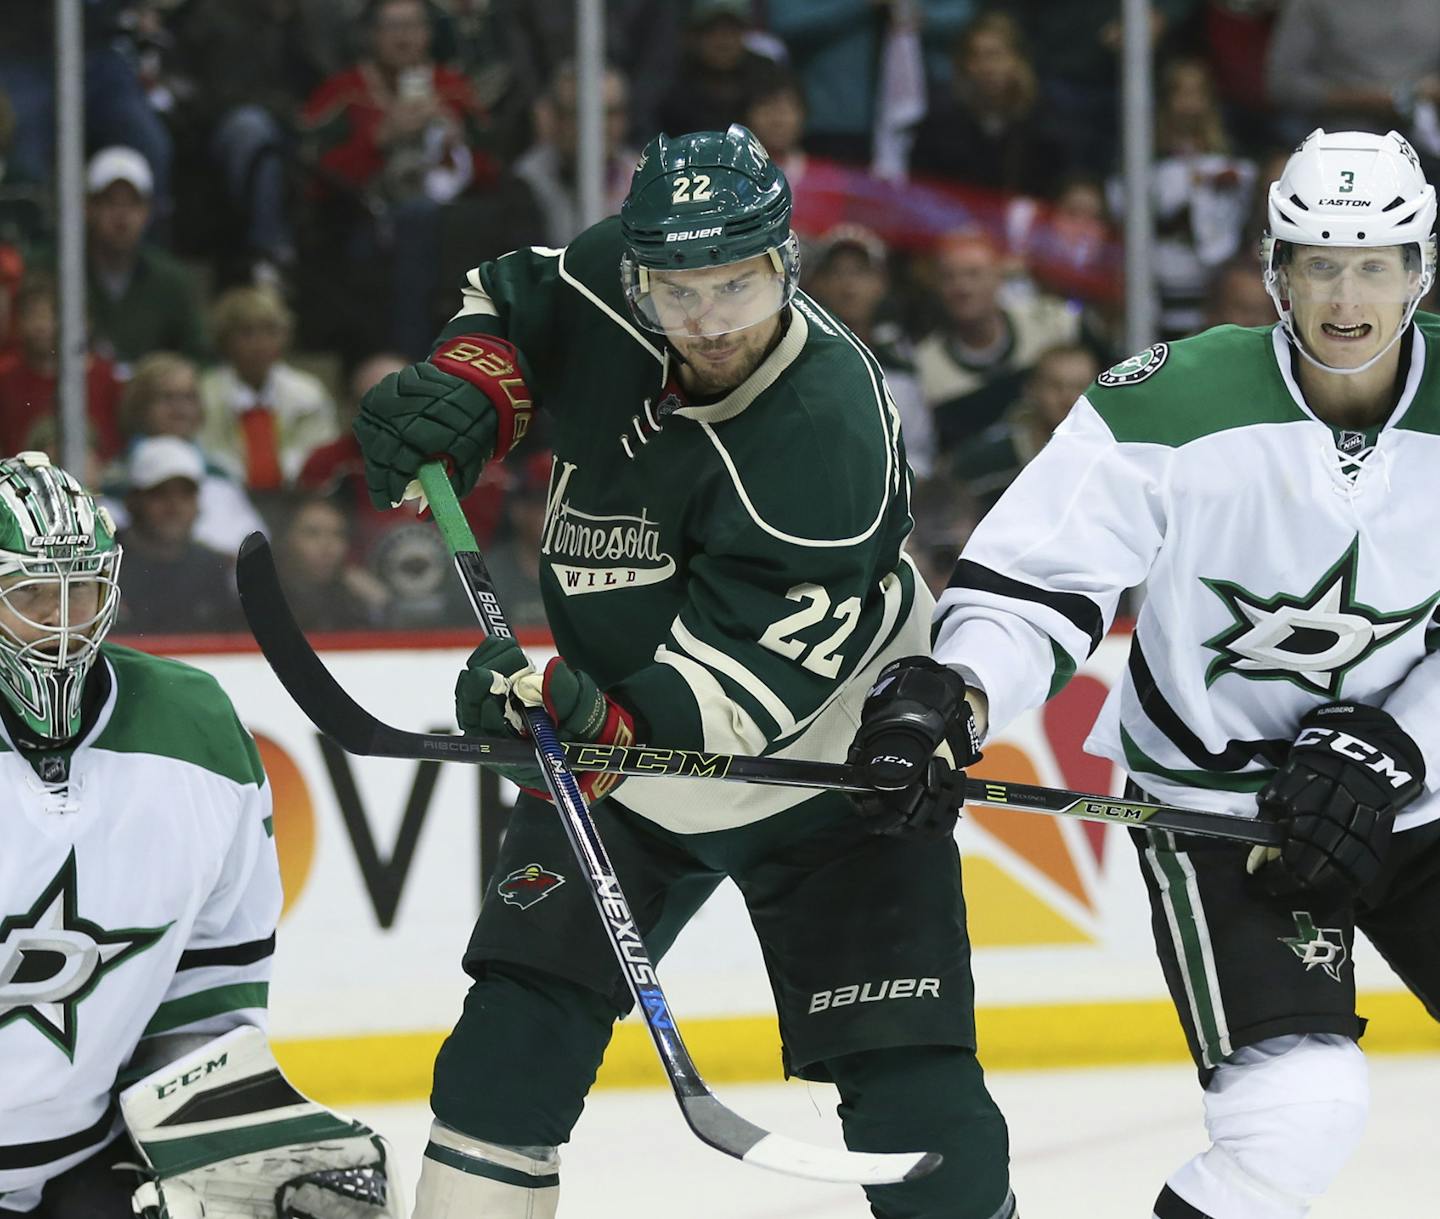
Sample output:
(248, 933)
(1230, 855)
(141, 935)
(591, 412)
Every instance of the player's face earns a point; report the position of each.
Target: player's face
(33, 611)
(718, 364)
(723, 320)
(1347, 301)
(714, 302)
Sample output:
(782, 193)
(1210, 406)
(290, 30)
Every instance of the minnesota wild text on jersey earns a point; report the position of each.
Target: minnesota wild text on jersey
(732, 569)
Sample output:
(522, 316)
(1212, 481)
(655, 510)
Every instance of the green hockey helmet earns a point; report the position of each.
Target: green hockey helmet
(59, 562)
(698, 202)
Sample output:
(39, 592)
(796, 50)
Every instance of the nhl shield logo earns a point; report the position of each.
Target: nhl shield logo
(528, 885)
(1137, 368)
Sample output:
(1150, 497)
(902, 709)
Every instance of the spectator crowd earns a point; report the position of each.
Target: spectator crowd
(282, 197)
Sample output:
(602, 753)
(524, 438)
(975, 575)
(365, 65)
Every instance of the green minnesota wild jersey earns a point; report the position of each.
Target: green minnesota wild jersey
(730, 572)
(1285, 563)
(138, 899)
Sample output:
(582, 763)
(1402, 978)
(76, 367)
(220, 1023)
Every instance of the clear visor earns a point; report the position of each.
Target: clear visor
(1346, 305)
(54, 615)
(1352, 278)
(708, 301)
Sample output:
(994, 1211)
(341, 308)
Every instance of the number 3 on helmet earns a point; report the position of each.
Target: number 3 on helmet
(1350, 235)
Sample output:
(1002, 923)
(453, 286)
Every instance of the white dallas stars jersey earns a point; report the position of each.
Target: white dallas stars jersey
(1285, 565)
(139, 903)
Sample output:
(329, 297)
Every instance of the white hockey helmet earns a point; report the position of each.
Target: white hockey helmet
(1351, 189)
(59, 567)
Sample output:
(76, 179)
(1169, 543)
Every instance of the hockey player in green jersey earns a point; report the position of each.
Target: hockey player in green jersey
(139, 892)
(1274, 489)
(722, 568)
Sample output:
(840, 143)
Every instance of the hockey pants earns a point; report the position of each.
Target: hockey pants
(528, 1046)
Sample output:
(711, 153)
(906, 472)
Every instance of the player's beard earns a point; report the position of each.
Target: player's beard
(741, 352)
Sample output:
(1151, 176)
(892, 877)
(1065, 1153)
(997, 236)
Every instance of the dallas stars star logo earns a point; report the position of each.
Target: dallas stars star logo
(51, 959)
(1314, 639)
(1322, 946)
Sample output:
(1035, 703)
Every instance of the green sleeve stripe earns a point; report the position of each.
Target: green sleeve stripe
(1137, 762)
(206, 1003)
(1064, 669)
(173, 1156)
(269, 824)
(493, 1172)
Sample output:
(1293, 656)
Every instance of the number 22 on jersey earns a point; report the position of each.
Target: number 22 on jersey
(824, 657)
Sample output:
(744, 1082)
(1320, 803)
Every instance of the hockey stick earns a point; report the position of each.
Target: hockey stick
(331, 709)
(711, 1121)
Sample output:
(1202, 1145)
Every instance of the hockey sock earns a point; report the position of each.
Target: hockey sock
(1285, 1114)
(464, 1178)
(523, 1055)
(928, 1098)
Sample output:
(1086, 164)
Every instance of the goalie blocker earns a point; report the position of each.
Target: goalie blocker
(224, 1135)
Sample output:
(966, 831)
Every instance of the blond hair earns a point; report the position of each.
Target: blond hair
(248, 308)
(151, 372)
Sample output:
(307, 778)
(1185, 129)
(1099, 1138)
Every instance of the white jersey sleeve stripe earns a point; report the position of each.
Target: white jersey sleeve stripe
(474, 300)
(728, 666)
(726, 726)
(623, 323)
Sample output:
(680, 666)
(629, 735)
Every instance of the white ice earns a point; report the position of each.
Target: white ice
(1086, 1144)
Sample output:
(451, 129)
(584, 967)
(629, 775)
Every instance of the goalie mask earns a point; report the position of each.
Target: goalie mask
(699, 203)
(58, 594)
(1349, 253)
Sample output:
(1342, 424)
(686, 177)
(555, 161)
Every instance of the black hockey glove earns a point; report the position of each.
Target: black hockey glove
(1350, 770)
(468, 402)
(915, 707)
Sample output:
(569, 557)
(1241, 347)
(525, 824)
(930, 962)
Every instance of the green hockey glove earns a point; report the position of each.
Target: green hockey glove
(482, 700)
(468, 403)
(582, 712)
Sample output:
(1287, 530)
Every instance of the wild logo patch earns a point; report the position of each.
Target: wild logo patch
(1137, 368)
(528, 885)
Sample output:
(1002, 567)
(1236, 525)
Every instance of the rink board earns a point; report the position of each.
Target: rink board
(381, 864)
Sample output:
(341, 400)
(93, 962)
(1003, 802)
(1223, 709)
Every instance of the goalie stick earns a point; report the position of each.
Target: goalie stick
(331, 709)
(712, 1122)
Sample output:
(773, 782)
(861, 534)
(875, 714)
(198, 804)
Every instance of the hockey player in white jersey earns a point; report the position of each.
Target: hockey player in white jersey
(139, 893)
(1276, 491)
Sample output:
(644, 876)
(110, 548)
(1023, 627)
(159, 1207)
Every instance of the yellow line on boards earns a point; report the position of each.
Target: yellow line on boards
(746, 1049)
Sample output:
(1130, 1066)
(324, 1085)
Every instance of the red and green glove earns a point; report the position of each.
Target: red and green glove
(467, 402)
(498, 682)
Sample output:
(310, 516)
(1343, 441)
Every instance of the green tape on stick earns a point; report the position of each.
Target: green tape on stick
(454, 528)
